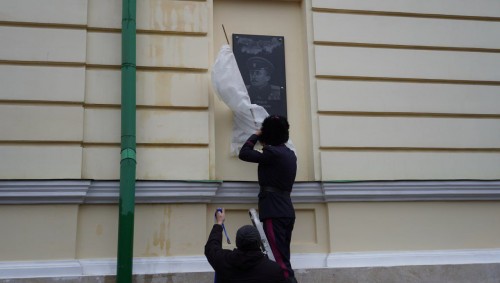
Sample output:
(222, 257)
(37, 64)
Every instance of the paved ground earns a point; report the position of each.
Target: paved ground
(474, 273)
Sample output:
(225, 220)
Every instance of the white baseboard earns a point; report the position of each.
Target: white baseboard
(444, 257)
(185, 264)
(156, 265)
(31, 269)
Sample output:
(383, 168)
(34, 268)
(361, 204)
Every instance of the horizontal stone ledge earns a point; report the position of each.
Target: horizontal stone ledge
(412, 191)
(154, 192)
(43, 191)
(102, 192)
(247, 192)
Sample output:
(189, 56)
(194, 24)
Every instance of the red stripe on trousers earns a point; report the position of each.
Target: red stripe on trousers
(274, 247)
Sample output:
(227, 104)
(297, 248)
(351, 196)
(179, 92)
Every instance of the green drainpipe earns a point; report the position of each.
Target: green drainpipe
(128, 145)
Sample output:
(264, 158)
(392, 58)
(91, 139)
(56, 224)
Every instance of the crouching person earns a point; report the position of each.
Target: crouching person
(246, 263)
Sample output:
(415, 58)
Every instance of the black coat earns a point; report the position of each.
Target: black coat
(277, 169)
(240, 266)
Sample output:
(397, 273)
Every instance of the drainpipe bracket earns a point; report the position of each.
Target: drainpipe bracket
(128, 153)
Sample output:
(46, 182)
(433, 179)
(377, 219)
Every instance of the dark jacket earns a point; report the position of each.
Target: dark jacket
(277, 169)
(240, 266)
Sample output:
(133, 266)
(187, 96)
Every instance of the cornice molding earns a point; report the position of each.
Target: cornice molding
(412, 191)
(308, 192)
(43, 191)
(107, 192)
(154, 192)
(247, 192)
(237, 192)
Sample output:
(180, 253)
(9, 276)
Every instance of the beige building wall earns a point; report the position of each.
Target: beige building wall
(42, 73)
(38, 232)
(405, 90)
(376, 91)
(413, 226)
(60, 119)
(259, 17)
(421, 96)
(160, 230)
(61, 84)
(173, 123)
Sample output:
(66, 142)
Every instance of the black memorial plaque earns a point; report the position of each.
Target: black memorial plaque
(261, 60)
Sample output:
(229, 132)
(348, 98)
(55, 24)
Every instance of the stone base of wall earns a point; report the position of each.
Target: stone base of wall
(484, 273)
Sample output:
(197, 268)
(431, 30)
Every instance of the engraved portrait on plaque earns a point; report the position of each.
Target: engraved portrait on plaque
(261, 60)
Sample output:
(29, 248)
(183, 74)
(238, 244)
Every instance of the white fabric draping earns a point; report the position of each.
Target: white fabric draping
(230, 87)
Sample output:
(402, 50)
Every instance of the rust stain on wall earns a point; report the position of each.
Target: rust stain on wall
(161, 237)
(148, 251)
(167, 213)
(178, 16)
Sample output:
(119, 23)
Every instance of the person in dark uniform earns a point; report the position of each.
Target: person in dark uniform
(260, 90)
(247, 263)
(276, 172)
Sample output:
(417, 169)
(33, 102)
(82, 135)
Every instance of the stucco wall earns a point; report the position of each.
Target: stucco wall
(60, 78)
(413, 226)
(404, 89)
(411, 85)
(259, 17)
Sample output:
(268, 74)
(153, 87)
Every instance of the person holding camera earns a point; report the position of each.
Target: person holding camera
(276, 172)
(245, 264)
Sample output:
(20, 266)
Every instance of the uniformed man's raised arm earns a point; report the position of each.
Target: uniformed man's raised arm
(247, 152)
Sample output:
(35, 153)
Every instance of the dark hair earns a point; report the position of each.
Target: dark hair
(275, 130)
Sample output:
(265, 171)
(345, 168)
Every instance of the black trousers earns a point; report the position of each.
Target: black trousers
(279, 234)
